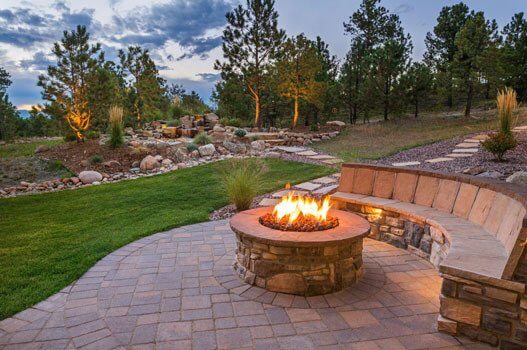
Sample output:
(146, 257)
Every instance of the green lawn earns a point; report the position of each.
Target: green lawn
(49, 240)
(381, 139)
(13, 150)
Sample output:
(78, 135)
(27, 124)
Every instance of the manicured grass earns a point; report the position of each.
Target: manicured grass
(13, 150)
(49, 240)
(381, 139)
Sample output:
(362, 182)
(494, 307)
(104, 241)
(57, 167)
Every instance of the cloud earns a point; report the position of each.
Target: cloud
(39, 61)
(187, 23)
(403, 8)
(209, 77)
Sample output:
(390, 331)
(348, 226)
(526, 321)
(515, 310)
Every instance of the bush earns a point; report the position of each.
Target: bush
(240, 132)
(191, 147)
(70, 138)
(174, 122)
(92, 134)
(202, 139)
(231, 122)
(241, 180)
(116, 127)
(499, 143)
(96, 159)
(314, 127)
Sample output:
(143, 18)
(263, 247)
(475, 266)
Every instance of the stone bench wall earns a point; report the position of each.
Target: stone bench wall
(486, 309)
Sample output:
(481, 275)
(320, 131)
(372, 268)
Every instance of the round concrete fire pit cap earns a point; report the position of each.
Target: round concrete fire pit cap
(351, 227)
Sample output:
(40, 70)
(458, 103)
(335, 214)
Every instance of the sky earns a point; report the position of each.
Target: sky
(184, 36)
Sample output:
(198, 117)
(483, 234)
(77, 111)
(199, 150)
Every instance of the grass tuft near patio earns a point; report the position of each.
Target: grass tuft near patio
(49, 240)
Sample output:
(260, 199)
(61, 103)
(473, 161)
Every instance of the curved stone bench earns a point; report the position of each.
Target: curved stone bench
(473, 230)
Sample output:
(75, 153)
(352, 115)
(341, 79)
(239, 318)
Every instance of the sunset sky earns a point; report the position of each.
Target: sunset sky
(184, 36)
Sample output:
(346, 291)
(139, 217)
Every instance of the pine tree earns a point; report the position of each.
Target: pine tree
(515, 54)
(251, 42)
(441, 45)
(473, 43)
(417, 82)
(65, 86)
(8, 114)
(147, 93)
(298, 70)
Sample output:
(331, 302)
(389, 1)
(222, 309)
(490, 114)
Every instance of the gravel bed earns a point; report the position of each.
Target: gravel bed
(481, 163)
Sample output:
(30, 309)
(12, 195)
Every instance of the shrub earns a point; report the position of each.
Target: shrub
(314, 127)
(241, 180)
(191, 147)
(506, 103)
(140, 150)
(174, 122)
(116, 127)
(499, 143)
(231, 122)
(96, 159)
(240, 132)
(202, 139)
(92, 134)
(70, 137)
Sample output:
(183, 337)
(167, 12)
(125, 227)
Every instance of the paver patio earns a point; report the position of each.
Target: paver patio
(176, 290)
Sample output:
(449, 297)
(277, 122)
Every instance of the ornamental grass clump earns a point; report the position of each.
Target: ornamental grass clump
(116, 127)
(499, 143)
(202, 139)
(241, 179)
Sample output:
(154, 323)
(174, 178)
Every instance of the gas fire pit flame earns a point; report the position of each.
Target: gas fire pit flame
(300, 213)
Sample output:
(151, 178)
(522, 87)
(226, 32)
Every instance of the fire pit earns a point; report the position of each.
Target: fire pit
(306, 252)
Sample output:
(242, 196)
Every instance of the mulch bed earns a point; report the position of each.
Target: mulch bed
(516, 159)
(71, 154)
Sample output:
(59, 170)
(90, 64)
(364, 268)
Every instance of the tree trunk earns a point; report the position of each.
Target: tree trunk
(386, 100)
(355, 113)
(256, 110)
(315, 116)
(295, 115)
(469, 100)
(450, 98)
(416, 108)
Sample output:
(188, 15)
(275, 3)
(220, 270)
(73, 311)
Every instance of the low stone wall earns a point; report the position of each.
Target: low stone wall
(303, 271)
(403, 232)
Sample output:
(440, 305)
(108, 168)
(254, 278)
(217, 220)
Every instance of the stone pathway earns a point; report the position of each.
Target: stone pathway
(307, 153)
(467, 148)
(317, 188)
(176, 290)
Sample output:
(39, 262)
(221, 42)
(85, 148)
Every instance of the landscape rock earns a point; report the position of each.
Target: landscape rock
(207, 150)
(218, 128)
(336, 123)
(111, 163)
(75, 180)
(90, 176)
(491, 174)
(42, 148)
(519, 177)
(236, 148)
(258, 145)
(85, 163)
(148, 163)
(166, 162)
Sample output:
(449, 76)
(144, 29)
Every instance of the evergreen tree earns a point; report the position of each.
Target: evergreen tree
(379, 54)
(8, 114)
(515, 54)
(65, 86)
(417, 82)
(105, 89)
(441, 45)
(147, 93)
(251, 42)
(328, 77)
(298, 70)
(232, 98)
(473, 43)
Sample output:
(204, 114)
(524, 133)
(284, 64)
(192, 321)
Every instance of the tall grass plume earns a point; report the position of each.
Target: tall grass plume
(116, 127)
(506, 103)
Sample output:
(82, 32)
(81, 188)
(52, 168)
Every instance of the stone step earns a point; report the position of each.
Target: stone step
(466, 144)
(438, 160)
(275, 142)
(459, 155)
(406, 163)
(262, 135)
(465, 150)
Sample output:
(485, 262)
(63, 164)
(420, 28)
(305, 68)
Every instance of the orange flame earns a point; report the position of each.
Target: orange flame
(292, 206)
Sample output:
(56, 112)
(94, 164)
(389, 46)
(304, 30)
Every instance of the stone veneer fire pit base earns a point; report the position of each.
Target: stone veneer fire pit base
(300, 263)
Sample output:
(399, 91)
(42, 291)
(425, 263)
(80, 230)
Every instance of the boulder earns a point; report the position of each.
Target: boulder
(491, 174)
(236, 148)
(258, 145)
(129, 131)
(336, 123)
(75, 180)
(186, 121)
(218, 128)
(85, 163)
(147, 133)
(90, 176)
(148, 163)
(206, 150)
(42, 148)
(159, 158)
(212, 118)
(166, 162)
(519, 177)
